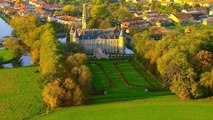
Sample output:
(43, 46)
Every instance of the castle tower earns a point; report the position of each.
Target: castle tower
(84, 17)
(75, 38)
(72, 30)
(121, 43)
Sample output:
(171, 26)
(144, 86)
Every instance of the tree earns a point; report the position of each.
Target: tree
(72, 48)
(85, 79)
(70, 10)
(205, 58)
(122, 13)
(170, 64)
(25, 28)
(69, 86)
(51, 53)
(182, 84)
(79, 97)
(11, 43)
(52, 94)
(77, 60)
(207, 81)
(1, 61)
(99, 11)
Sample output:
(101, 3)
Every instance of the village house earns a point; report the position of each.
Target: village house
(154, 17)
(198, 13)
(211, 12)
(69, 20)
(41, 13)
(134, 1)
(137, 22)
(52, 6)
(197, 10)
(3, 3)
(181, 18)
(51, 18)
(157, 32)
(9, 11)
(138, 14)
(208, 21)
(205, 3)
(150, 13)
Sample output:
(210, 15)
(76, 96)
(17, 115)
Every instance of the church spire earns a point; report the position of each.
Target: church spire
(84, 17)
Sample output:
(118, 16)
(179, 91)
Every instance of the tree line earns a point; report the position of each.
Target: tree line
(65, 75)
(182, 60)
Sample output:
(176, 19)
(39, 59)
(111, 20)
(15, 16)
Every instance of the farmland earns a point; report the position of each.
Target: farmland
(20, 94)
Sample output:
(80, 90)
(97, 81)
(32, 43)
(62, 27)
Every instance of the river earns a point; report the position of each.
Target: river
(5, 30)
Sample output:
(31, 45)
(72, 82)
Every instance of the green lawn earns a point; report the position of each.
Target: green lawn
(155, 108)
(99, 80)
(123, 102)
(132, 75)
(20, 98)
(20, 94)
(6, 54)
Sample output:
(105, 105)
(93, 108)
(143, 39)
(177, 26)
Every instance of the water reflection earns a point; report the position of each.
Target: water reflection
(25, 60)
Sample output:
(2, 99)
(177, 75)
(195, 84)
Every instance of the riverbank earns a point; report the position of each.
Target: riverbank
(3, 17)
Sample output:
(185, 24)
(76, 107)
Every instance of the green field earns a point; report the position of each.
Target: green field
(20, 94)
(124, 102)
(20, 97)
(6, 54)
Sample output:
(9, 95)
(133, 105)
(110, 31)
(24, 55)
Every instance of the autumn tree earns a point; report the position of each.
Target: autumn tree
(182, 84)
(70, 10)
(25, 28)
(51, 53)
(11, 43)
(53, 94)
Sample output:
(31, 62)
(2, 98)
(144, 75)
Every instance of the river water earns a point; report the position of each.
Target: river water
(5, 30)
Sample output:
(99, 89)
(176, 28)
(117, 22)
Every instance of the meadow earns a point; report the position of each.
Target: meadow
(20, 93)
(6, 54)
(115, 97)
(124, 98)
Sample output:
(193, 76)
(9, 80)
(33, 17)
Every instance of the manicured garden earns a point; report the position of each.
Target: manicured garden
(20, 93)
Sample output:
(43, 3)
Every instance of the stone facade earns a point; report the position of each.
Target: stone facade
(109, 41)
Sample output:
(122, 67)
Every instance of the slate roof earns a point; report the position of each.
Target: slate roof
(88, 34)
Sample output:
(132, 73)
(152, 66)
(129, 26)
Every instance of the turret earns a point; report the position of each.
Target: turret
(72, 30)
(121, 44)
(75, 38)
(84, 17)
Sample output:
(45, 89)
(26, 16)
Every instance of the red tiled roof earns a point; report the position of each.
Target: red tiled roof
(2, 1)
(183, 16)
(69, 18)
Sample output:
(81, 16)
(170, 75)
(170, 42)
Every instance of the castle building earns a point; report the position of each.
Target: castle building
(110, 41)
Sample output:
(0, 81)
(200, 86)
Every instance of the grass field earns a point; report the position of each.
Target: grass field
(6, 54)
(123, 102)
(20, 94)
(158, 108)
(20, 97)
